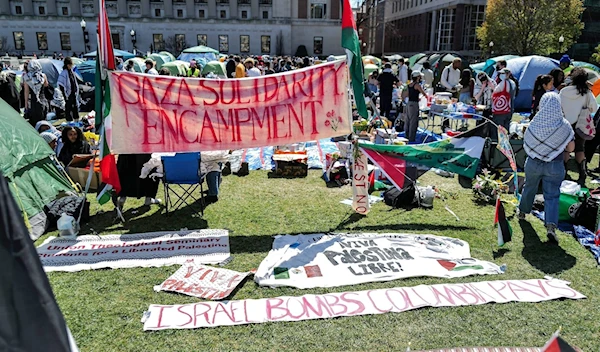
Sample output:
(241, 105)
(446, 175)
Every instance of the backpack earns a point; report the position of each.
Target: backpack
(398, 198)
(586, 214)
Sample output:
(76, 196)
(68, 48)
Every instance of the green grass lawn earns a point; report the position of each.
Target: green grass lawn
(103, 307)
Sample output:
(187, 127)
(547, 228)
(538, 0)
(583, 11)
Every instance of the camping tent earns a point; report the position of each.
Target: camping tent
(138, 64)
(25, 161)
(177, 67)
(159, 59)
(171, 57)
(413, 59)
(202, 54)
(53, 68)
(371, 60)
(586, 65)
(125, 55)
(215, 67)
(526, 69)
(369, 68)
(87, 69)
(395, 57)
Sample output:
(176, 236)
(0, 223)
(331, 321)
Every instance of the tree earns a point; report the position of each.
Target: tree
(5, 45)
(528, 27)
(596, 56)
(175, 44)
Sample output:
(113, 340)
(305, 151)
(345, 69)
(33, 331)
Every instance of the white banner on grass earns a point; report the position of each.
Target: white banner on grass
(202, 281)
(331, 305)
(306, 261)
(135, 250)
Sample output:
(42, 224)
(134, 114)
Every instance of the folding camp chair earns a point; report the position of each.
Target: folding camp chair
(182, 172)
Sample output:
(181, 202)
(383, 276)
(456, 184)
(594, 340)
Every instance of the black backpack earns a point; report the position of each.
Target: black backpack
(586, 213)
(399, 198)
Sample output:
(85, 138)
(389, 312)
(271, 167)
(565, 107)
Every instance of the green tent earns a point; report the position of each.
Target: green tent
(413, 59)
(171, 57)
(177, 67)
(159, 59)
(25, 161)
(201, 49)
(138, 64)
(215, 67)
(369, 68)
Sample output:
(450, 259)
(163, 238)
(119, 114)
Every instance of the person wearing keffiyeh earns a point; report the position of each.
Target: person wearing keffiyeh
(36, 105)
(546, 138)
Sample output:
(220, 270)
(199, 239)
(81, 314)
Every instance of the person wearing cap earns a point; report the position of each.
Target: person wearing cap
(565, 64)
(251, 71)
(150, 67)
(500, 65)
(51, 139)
(240, 70)
(194, 70)
(412, 117)
(387, 80)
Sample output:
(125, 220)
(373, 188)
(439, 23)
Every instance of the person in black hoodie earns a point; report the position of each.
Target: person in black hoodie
(8, 89)
(230, 67)
(387, 80)
(73, 143)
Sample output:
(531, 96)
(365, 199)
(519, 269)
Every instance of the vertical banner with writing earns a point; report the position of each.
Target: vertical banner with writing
(360, 182)
(172, 114)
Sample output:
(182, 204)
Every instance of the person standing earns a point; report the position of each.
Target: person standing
(578, 102)
(35, 82)
(450, 79)
(502, 103)
(193, 71)
(412, 118)
(565, 64)
(70, 89)
(230, 67)
(558, 77)
(150, 67)
(427, 74)
(240, 70)
(546, 139)
(251, 71)
(8, 90)
(468, 85)
(402, 72)
(542, 85)
(387, 80)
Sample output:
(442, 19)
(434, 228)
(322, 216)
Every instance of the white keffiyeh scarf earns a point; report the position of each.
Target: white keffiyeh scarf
(549, 133)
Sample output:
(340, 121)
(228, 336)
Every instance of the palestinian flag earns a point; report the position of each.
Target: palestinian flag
(352, 45)
(504, 229)
(105, 60)
(557, 344)
(458, 154)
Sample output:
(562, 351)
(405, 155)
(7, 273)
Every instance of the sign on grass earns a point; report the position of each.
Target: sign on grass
(347, 304)
(306, 261)
(173, 114)
(202, 281)
(136, 250)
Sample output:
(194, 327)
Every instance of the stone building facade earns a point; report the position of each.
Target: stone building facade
(231, 26)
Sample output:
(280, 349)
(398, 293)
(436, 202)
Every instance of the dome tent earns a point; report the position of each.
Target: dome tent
(525, 70)
(25, 161)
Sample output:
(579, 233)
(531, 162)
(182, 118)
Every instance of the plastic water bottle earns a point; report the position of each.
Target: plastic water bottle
(67, 226)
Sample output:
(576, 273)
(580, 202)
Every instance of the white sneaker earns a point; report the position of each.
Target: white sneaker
(150, 201)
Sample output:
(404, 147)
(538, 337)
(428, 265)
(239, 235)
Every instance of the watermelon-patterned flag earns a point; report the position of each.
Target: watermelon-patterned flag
(557, 344)
(352, 45)
(105, 60)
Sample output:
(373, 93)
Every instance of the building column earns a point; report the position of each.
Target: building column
(28, 7)
(212, 9)
(434, 19)
(233, 9)
(75, 8)
(255, 9)
(190, 9)
(4, 8)
(145, 8)
(51, 7)
(168, 8)
(459, 18)
(122, 8)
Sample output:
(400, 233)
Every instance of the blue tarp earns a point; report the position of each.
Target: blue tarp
(262, 158)
(526, 69)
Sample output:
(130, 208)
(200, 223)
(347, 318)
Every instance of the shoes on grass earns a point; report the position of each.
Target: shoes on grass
(521, 215)
(150, 201)
(551, 233)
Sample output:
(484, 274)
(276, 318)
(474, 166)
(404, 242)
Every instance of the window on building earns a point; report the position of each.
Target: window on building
(202, 39)
(180, 42)
(179, 13)
(223, 14)
(318, 10)
(116, 39)
(18, 10)
(157, 13)
(19, 40)
(42, 40)
(41, 10)
(318, 45)
(223, 43)
(446, 29)
(265, 15)
(65, 11)
(265, 44)
(65, 41)
(244, 43)
(244, 14)
(159, 43)
(201, 14)
(474, 17)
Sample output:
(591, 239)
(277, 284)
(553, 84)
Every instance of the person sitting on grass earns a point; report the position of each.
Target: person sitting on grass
(73, 144)
(548, 136)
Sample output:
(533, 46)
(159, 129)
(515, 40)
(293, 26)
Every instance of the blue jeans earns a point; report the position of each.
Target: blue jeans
(465, 98)
(551, 174)
(213, 180)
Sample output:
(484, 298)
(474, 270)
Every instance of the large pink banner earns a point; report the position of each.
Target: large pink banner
(172, 114)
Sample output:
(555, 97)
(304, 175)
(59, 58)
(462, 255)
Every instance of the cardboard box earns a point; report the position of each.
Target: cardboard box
(80, 175)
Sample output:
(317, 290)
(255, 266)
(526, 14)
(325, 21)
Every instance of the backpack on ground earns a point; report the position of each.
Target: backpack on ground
(399, 198)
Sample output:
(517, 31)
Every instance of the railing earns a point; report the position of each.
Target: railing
(222, 1)
(244, 2)
(265, 2)
(201, 1)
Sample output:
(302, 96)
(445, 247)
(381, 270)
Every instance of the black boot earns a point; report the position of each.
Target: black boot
(582, 173)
